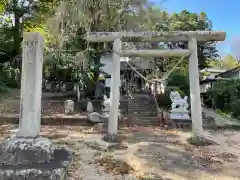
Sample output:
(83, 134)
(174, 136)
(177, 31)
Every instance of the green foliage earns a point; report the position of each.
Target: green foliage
(188, 21)
(3, 88)
(235, 107)
(164, 100)
(9, 76)
(68, 57)
(224, 96)
(179, 78)
(182, 93)
(228, 62)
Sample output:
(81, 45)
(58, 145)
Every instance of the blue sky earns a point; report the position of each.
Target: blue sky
(225, 15)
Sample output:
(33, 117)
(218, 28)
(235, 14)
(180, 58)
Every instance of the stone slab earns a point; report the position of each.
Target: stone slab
(54, 170)
(24, 151)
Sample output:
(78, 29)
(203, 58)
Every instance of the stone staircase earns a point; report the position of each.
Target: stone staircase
(142, 111)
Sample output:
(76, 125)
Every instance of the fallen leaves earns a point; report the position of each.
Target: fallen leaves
(114, 166)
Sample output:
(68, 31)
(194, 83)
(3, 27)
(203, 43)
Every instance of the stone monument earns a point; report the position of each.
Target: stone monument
(27, 155)
(69, 107)
(179, 108)
(89, 107)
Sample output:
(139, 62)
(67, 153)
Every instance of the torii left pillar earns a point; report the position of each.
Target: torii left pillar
(115, 93)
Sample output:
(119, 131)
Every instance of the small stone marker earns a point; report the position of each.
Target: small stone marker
(69, 107)
(89, 107)
(27, 155)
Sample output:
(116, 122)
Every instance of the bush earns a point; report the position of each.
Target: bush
(9, 76)
(3, 87)
(225, 96)
(181, 92)
(235, 108)
(164, 100)
(179, 78)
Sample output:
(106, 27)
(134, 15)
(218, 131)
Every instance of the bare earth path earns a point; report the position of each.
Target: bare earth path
(151, 152)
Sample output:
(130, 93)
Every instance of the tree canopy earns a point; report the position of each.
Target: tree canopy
(228, 62)
(64, 23)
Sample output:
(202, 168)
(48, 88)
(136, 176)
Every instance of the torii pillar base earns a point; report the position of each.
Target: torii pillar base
(32, 158)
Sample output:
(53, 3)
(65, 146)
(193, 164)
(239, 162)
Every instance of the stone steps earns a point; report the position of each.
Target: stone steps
(142, 111)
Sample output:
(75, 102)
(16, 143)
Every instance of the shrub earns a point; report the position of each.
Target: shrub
(181, 92)
(164, 100)
(9, 76)
(235, 107)
(225, 96)
(223, 93)
(3, 87)
(179, 78)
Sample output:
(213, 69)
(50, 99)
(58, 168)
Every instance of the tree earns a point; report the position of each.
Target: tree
(187, 21)
(19, 14)
(3, 4)
(228, 62)
(76, 17)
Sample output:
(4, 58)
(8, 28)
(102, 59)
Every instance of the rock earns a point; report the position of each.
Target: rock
(24, 151)
(95, 117)
(209, 121)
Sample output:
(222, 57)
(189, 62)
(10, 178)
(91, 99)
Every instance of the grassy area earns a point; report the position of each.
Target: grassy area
(227, 120)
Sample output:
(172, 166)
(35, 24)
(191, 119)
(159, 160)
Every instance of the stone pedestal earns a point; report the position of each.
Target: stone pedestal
(178, 114)
(25, 151)
(180, 118)
(24, 158)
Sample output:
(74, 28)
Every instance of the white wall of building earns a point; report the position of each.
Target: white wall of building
(141, 63)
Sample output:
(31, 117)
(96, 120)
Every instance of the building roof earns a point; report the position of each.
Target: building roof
(212, 70)
(214, 80)
(236, 69)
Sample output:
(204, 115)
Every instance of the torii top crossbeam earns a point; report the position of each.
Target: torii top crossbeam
(172, 36)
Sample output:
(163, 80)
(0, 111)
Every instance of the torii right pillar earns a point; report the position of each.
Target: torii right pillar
(196, 108)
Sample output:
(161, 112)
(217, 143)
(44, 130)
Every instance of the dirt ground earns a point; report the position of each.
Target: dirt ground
(146, 153)
(151, 154)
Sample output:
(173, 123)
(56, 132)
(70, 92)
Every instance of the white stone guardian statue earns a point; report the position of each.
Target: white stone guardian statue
(179, 106)
(106, 104)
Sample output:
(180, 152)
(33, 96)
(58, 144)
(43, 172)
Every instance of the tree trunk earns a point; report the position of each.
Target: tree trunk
(17, 35)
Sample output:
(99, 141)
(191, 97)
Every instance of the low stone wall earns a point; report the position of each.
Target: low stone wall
(56, 86)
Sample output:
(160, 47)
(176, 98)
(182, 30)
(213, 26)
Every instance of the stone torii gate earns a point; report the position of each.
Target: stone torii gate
(189, 36)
